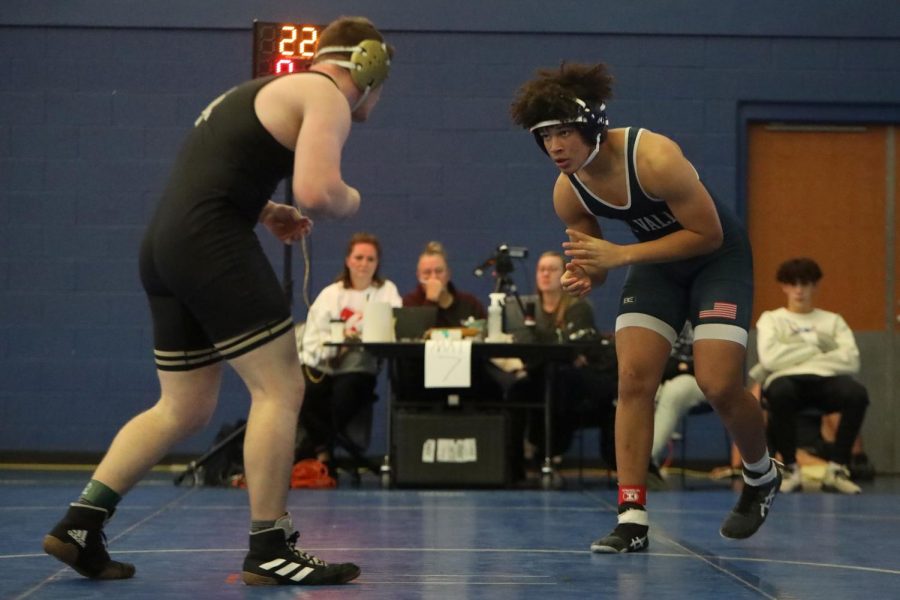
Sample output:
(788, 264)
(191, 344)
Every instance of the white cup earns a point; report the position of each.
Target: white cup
(337, 331)
(378, 322)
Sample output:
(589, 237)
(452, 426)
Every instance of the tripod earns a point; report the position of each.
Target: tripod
(193, 468)
(504, 284)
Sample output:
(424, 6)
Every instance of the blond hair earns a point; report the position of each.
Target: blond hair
(433, 248)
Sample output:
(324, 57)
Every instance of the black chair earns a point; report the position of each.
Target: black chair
(703, 408)
(604, 423)
(349, 446)
(603, 450)
(354, 440)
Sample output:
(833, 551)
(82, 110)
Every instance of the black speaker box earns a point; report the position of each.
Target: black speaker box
(450, 449)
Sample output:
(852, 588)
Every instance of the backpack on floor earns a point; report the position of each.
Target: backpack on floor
(226, 460)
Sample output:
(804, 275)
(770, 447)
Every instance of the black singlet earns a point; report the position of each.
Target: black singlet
(212, 291)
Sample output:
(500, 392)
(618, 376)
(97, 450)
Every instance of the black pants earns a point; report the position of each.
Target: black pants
(789, 395)
(582, 397)
(330, 403)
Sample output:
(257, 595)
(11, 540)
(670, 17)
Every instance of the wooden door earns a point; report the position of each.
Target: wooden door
(829, 192)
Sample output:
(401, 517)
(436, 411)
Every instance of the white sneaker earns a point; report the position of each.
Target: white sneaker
(793, 479)
(837, 480)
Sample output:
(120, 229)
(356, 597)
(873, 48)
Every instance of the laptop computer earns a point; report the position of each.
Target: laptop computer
(411, 322)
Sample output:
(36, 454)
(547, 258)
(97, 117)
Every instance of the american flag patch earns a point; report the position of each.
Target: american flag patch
(720, 310)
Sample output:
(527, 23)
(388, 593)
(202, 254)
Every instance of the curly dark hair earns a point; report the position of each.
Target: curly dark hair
(799, 270)
(548, 95)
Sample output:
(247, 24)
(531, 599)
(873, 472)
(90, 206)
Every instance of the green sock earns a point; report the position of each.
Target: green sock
(98, 494)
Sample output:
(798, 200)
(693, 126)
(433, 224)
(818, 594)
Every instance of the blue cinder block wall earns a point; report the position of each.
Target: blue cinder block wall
(95, 97)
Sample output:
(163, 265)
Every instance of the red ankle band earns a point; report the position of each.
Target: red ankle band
(636, 494)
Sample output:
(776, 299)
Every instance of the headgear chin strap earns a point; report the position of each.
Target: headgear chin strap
(592, 124)
(369, 65)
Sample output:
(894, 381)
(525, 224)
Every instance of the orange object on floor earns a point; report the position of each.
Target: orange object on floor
(311, 473)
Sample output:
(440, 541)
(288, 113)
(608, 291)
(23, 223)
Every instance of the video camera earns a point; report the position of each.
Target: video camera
(501, 260)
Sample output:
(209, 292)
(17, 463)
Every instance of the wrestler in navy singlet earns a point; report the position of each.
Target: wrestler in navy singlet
(715, 288)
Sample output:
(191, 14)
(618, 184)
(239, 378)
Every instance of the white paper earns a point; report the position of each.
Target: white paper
(457, 451)
(448, 363)
(428, 449)
(450, 450)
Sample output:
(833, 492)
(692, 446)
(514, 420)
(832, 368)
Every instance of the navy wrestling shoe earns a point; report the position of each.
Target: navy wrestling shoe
(752, 507)
(630, 535)
(626, 537)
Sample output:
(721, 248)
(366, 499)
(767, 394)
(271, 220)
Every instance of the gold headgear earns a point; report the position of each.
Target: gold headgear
(369, 62)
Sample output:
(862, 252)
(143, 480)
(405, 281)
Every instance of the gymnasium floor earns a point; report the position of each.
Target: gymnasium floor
(189, 543)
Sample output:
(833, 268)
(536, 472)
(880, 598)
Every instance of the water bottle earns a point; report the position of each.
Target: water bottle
(495, 317)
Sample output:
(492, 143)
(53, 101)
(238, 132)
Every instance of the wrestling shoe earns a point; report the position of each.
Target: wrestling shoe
(752, 507)
(626, 537)
(78, 541)
(837, 480)
(792, 480)
(630, 535)
(274, 559)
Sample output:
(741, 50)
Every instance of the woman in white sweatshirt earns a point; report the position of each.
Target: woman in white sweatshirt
(809, 356)
(340, 382)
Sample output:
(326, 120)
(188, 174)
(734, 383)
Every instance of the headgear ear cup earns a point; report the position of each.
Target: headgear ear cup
(369, 62)
(595, 123)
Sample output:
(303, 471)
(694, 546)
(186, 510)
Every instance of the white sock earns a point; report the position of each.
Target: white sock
(760, 466)
(766, 466)
(633, 515)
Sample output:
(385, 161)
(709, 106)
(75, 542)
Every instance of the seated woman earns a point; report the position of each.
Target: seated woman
(341, 382)
(454, 307)
(585, 390)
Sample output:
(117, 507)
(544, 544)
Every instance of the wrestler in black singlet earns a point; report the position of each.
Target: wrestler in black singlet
(213, 293)
(713, 290)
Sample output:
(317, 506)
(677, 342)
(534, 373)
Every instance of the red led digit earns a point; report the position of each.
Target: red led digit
(284, 65)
